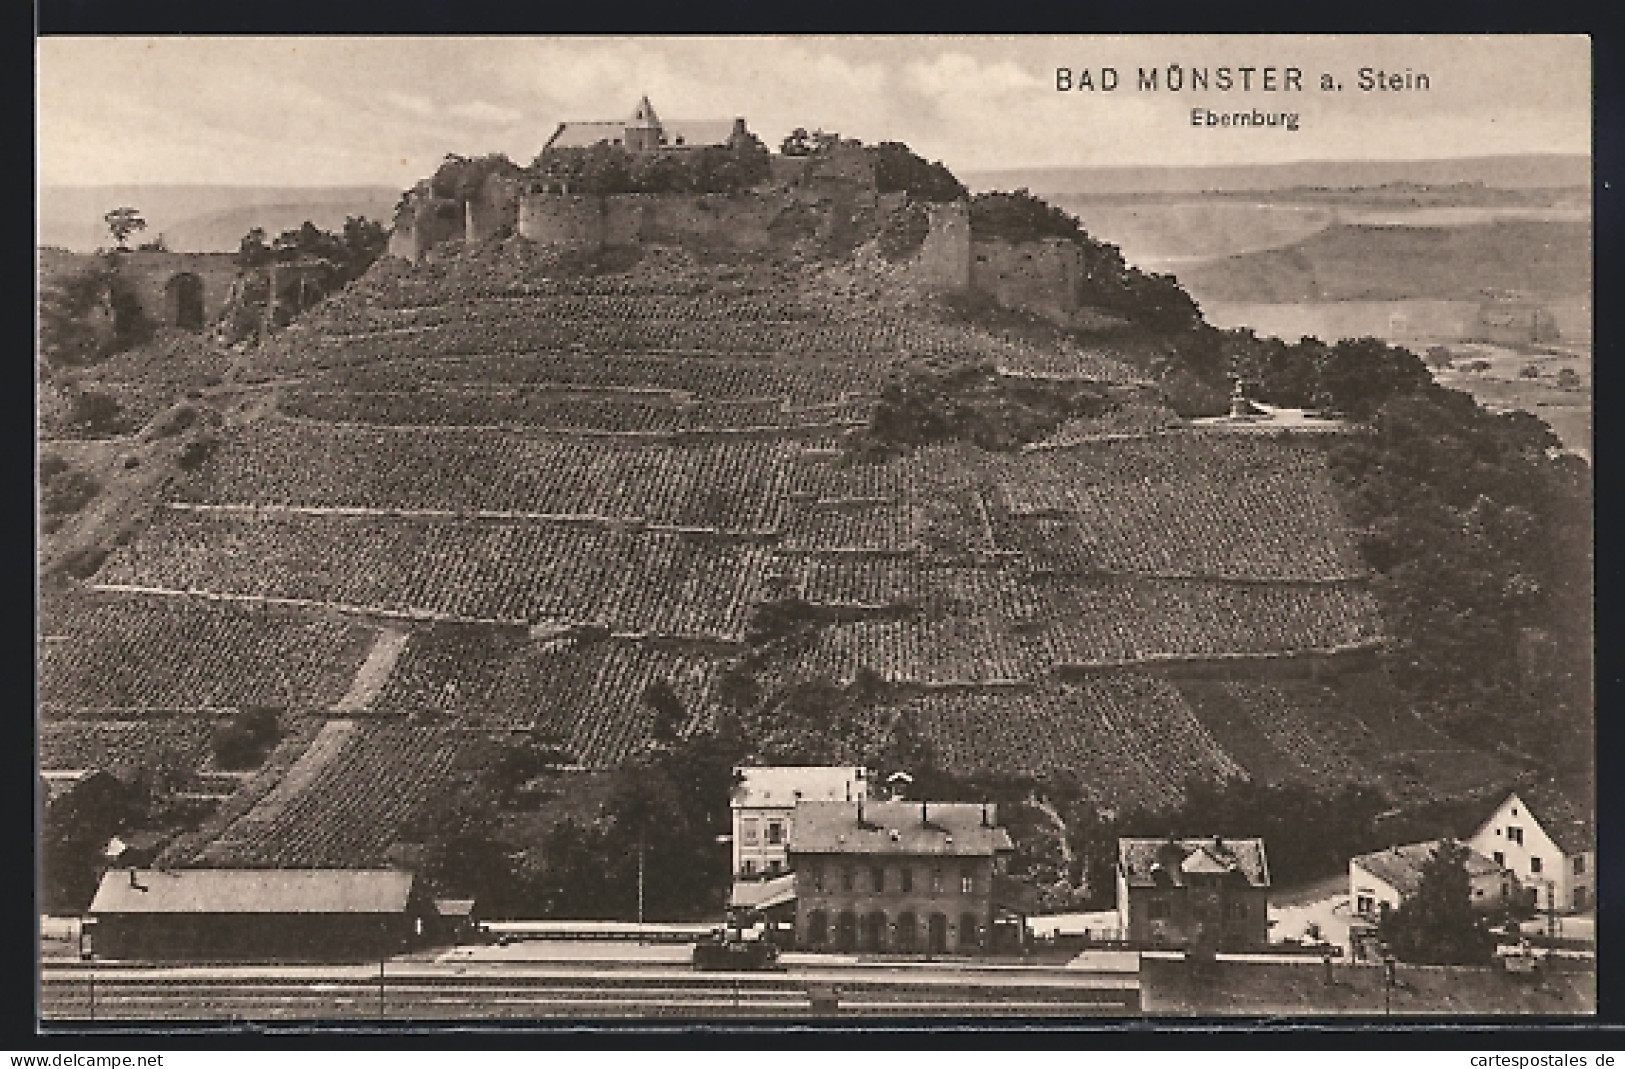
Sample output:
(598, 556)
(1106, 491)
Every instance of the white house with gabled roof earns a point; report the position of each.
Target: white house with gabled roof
(1548, 840)
(764, 805)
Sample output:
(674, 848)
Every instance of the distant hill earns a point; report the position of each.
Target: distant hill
(1342, 263)
(1506, 172)
(202, 218)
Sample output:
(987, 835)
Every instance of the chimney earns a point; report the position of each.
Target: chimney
(860, 809)
(924, 817)
(133, 882)
(984, 815)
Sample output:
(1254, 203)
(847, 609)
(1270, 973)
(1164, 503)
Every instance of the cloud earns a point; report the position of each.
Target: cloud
(955, 73)
(410, 102)
(482, 111)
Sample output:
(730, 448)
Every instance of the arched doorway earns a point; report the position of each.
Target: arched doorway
(970, 931)
(846, 931)
(908, 933)
(937, 934)
(183, 301)
(874, 931)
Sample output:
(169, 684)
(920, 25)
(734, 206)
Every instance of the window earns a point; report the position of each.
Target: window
(936, 881)
(773, 866)
(1500, 858)
(877, 879)
(749, 867)
(846, 879)
(775, 832)
(1534, 864)
(967, 883)
(817, 875)
(1157, 909)
(1579, 864)
(908, 879)
(1515, 834)
(750, 833)
(1365, 905)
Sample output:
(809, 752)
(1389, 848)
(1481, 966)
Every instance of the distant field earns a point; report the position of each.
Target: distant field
(1499, 172)
(201, 218)
(1352, 263)
(1157, 236)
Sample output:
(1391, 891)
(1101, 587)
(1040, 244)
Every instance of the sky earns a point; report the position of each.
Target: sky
(359, 111)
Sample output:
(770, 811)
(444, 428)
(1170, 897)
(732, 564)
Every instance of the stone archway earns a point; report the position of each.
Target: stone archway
(183, 301)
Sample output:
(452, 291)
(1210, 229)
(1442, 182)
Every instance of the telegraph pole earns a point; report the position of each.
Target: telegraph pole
(640, 887)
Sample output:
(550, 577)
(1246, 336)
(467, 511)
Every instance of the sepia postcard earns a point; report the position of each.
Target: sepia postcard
(820, 528)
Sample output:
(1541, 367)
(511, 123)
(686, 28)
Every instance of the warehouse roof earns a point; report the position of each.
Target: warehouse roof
(253, 891)
(964, 829)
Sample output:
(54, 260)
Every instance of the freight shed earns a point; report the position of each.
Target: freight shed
(258, 914)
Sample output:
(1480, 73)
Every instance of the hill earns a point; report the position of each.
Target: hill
(1063, 184)
(201, 218)
(1346, 263)
(505, 491)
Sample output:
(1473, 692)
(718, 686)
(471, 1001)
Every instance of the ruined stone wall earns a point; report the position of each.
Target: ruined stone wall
(944, 260)
(425, 223)
(1040, 277)
(788, 169)
(562, 221)
(495, 208)
(151, 274)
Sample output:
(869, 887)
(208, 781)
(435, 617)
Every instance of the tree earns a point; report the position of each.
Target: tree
(252, 251)
(122, 222)
(797, 143)
(669, 714)
(899, 169)
(1437, 925)
(243, 741)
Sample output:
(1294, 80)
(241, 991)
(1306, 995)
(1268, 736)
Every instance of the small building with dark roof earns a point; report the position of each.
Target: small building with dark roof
(1546, 833)
(1211, 892)
(645, 132)
(900, 877)
(258, 914)
(1385, 878)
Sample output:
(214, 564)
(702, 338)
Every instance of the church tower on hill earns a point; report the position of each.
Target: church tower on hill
(643, 132)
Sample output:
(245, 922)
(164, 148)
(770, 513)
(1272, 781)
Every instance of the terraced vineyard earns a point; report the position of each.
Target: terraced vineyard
(179, 742)
(349, 807)
(733, 485)
(587, 695)
(1353, 731)
(798, 383)
(564, 490)
(501, 571)
(164, 653)
(1129, 742)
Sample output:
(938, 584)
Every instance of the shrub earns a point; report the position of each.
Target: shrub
(98, 413)
(243, 741)
(899, 170)
(66, 491)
